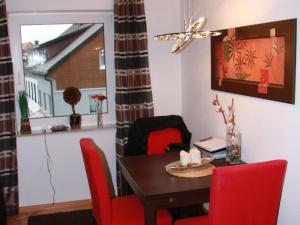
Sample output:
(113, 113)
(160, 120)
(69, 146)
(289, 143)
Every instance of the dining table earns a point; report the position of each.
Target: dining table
(157, 189)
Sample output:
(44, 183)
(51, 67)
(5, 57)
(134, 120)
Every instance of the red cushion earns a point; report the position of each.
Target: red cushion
(198, 220)
(129, 210)
(159, 140)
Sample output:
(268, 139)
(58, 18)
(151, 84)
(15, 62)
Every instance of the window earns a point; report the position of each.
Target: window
(26, 86)
(56, 79)
(50, 104)
(40, 97)
(30, 92)
(34, 92)
(45, 102)
(64, 55)
(101, 59)
(92, 104)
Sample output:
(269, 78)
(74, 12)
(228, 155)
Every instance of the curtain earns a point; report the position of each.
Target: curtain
(133, 85)
(8, 155)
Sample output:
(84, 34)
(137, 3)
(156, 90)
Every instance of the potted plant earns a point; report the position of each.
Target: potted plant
(72, 96)
(23, 104)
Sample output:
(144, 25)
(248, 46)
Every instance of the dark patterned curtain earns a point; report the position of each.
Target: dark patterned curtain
(133, 86)
(8, 155)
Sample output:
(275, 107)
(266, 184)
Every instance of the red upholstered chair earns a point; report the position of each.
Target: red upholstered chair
(247, 194)
(156, 135)
(110, 210)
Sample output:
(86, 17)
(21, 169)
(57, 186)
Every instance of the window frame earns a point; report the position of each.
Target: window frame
(16, 20)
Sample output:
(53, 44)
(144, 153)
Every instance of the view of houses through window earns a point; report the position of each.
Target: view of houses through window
(62, 55)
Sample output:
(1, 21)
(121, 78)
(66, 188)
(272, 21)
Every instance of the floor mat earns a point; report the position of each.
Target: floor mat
(82, 217)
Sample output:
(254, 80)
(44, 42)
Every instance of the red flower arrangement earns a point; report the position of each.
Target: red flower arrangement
(99, 97)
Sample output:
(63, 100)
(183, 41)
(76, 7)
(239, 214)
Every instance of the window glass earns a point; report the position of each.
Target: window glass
(92, 104)
(40, 98)
(45, 103)
(101, 59)
(57, 56)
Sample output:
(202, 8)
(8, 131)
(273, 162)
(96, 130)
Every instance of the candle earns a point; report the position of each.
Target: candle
(195, 156)
(184, 158)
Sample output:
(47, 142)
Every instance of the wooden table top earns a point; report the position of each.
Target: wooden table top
(148, 178)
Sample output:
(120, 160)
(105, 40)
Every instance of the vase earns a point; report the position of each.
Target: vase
(99, 114)
(99, 119)
(233, 147)
(75, 121)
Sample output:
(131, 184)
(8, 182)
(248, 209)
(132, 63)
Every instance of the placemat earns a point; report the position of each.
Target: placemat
(199, 172)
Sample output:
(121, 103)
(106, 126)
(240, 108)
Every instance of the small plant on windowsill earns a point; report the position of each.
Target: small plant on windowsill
(72, 96)
(23, 104)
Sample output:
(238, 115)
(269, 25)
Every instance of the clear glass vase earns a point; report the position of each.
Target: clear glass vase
(99, 114)
(233, 146)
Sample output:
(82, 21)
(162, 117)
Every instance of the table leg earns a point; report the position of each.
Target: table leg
(150, 214)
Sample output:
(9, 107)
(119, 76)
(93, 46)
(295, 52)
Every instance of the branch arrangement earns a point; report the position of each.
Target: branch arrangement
(229, 116)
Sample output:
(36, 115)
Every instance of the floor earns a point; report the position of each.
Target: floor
(25, 212)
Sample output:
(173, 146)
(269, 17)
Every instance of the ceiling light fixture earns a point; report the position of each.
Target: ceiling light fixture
(192, 31)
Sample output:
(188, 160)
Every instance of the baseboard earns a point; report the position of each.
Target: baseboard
(56, 207)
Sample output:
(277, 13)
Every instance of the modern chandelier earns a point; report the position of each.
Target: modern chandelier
(192, 31)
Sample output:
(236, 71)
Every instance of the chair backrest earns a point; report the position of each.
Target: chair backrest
(247, 194)
(160, 139)
(152, 135)
(99, 186)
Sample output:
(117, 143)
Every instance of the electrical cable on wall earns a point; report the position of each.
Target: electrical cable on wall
(49, 160)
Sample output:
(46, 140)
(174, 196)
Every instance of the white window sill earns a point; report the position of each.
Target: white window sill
(82, 129)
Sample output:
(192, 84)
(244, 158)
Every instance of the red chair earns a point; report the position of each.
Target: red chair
(156, 135)
(247, 194)
(112, 211)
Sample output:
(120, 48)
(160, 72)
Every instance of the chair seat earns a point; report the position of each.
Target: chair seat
(130, 210)
(198, 220)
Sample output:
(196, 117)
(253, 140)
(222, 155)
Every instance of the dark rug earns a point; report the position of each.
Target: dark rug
(82, 217)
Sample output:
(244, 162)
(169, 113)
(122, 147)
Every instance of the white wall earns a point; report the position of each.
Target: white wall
(165, 67)
(68, 172)
(57, 5)
(270, 129)
(67, 168)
